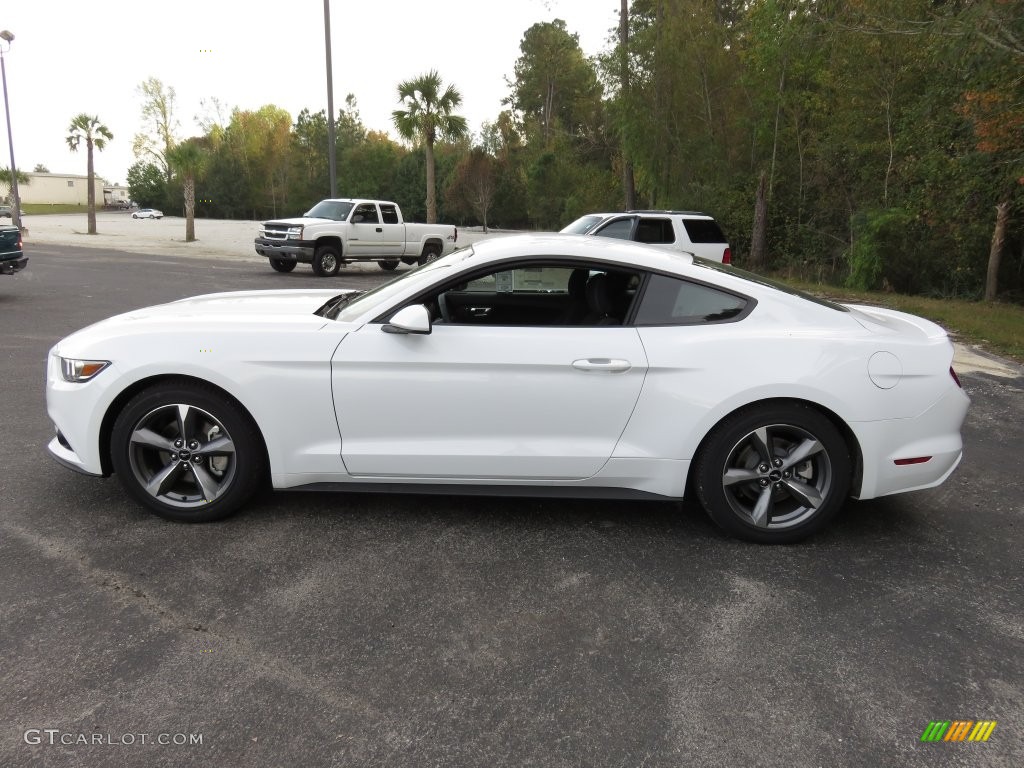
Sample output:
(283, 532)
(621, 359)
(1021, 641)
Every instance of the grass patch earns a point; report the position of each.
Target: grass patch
(41, 208)
(997, 326)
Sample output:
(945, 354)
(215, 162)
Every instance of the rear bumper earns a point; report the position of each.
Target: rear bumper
(10, 266)
(934, 434)
(279, 249)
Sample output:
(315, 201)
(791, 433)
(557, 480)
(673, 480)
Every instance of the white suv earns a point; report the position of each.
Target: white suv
(687, 231)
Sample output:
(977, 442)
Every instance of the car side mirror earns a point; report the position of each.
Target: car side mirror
(411, 319)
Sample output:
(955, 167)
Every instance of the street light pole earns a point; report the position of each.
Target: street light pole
(331, 160)
(16, 207)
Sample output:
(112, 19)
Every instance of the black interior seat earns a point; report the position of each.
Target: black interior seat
(601, 302)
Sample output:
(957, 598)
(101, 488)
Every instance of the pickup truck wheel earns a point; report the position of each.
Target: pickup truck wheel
(282, 265)
(389, 265)
(430, 252)
(327, 261)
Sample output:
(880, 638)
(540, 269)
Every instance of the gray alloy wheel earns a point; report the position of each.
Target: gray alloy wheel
(430, 252)
(282, 265)
(186, 452)
(326, 261)
(774, 475)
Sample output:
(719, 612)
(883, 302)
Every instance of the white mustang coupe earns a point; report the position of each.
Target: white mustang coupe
(553, 365)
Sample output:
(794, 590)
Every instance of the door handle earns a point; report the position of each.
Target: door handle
(602, 364)
(380, 229)
(479, 311)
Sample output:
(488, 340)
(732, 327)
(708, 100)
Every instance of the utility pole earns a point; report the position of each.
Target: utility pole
(331, 159)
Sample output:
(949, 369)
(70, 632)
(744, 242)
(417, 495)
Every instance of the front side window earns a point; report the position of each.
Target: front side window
(621, 229)
(365, 213)
(671, 301)
(538, 294)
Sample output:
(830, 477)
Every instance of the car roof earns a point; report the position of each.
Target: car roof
(693, 214)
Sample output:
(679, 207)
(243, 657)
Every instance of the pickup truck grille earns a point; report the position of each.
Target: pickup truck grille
(274, 231)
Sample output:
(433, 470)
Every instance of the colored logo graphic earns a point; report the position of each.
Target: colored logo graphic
(958, 730)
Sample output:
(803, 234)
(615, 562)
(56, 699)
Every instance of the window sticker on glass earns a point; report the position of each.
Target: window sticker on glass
(504, 282)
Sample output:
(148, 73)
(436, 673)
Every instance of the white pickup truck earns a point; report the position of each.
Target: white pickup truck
(335, 232)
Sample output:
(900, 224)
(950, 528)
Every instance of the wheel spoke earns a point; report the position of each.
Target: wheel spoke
(164, 479)
(216, 447)
(183, 418)
(807, 448)
(761, 441)
(207, 483)
(805, 493)
(151, 439)
(760, 514)
(739, 475)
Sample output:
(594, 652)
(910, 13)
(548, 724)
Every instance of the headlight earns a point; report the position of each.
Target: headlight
(294, 233)
(81, 370)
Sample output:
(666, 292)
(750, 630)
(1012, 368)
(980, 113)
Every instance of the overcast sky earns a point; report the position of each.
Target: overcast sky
(73, 56)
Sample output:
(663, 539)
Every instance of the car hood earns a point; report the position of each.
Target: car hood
(301, 221)
(248, 311)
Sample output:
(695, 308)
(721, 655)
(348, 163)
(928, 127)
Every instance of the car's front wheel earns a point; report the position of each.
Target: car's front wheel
(326, 261)
(773, 474)
(282, 265)
(187, 452)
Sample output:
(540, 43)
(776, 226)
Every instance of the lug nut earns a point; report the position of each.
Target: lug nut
(764, 482)
(762, 468)
(178, 443)
(193, 445)
(777, 462)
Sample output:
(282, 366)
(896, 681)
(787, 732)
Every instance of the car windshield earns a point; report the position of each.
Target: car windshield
(583, 225)
(743, 274)
(349, 307)
(336, 210)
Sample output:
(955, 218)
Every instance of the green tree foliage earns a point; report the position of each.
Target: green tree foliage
(429, 115)
(155, 143)
(88, 129)
(147, 185)
(6, 178)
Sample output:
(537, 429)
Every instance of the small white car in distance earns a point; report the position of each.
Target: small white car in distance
(687, 231)
(549, 365)
(147, 213)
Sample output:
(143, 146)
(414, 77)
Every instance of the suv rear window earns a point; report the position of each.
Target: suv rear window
(704, 231)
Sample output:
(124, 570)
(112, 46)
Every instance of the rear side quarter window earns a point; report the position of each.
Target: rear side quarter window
(704, 231)
(670, 301)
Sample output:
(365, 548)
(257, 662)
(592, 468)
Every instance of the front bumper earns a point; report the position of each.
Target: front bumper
(10, 266)
(296, 250)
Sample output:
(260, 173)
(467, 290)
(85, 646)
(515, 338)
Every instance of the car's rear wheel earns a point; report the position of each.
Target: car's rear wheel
(326, 261)
(389, 265)
(773, 474)
(282, 265)
(187, 452)
(430, 252)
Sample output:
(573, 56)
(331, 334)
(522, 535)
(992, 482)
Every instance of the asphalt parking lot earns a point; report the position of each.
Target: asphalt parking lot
(374, 630)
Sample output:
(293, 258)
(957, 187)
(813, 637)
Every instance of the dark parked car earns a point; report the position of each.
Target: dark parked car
(12, 259)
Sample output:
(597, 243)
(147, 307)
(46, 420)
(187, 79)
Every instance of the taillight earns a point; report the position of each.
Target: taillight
(955, 377)
(727, 256)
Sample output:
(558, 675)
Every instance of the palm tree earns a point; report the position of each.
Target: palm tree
(96, 135)
(426, 118)
(188, 159)
(5, 180)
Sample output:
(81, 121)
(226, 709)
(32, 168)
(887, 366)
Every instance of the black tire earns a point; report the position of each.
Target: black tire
(204, 446)
(431, 251)
(388, 266)
(773, 474)
(282, 265)
(326, 261)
